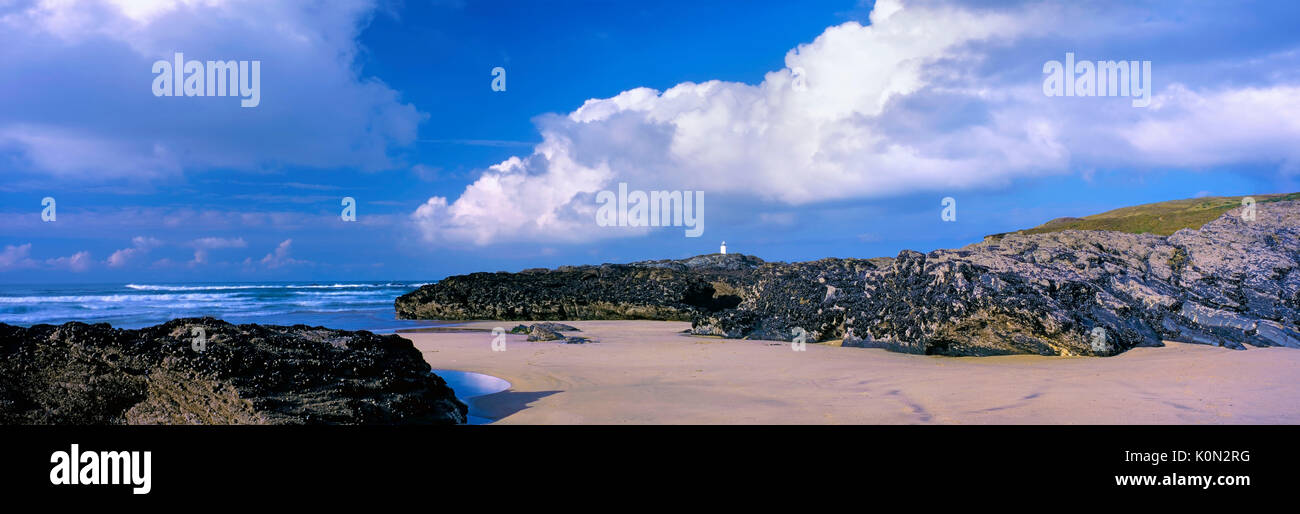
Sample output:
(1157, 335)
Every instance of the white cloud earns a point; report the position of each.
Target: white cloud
(770, 140)
(929, 97)
(279, 257)
(82, 73)
(19, 257)
(510, 199)
(140, 246)
(16, 257)
(1189, 128)
(218, 242)
(76, 263)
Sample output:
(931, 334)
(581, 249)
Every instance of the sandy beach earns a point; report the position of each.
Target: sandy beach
(648, 372)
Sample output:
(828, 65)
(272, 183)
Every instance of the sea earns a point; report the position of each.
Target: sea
(340, 305)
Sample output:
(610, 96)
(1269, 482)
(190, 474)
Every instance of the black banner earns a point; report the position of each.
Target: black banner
(318, 463)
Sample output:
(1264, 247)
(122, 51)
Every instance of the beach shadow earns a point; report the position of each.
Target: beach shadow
(499, 405)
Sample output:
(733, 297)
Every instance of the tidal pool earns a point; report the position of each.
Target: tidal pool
(469, 385)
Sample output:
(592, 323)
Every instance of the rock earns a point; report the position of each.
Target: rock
(541, 333)
(247, 374)
(554, 327)
(1231, 283)
(661, 290)
(558, 327)
(547, 331)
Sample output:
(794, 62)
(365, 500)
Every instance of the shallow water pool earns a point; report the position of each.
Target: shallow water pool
(469, 385)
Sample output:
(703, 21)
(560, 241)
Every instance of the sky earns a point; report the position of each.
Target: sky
(813, 129)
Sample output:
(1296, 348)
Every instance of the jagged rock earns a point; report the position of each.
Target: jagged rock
(1231, 283)
(541, 333)
(248, 374)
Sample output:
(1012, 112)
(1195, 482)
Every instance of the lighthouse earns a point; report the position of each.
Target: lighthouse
(724, 248)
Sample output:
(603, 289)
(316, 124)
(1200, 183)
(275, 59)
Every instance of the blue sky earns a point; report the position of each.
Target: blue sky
(391, 103)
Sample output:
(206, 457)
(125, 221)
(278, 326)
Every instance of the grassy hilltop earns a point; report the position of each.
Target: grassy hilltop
(1161, 218)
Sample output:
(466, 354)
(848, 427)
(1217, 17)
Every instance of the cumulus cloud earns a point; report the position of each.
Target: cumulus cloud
(278, 257)
(84, 108)
(76, 263)
(930, 96)
(16, 257)
(140, 246)
(1248, 124)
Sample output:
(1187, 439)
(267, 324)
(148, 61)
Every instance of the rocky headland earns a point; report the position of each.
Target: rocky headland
(1232, 282)
(245, 374)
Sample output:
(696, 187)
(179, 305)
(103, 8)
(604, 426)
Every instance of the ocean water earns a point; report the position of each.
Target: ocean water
(341, 305)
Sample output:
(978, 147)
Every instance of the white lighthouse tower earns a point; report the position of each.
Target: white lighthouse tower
(724, 248)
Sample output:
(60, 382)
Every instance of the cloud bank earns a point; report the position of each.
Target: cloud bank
(85, 107)
(927, 97)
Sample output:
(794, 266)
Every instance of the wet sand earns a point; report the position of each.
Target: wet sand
(648, 372)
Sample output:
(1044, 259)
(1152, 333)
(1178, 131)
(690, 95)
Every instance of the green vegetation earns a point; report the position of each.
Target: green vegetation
(1178, 259)
(1163, 218)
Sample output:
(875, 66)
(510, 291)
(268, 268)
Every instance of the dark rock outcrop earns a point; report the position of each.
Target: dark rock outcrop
(1231, 283)
(554, 327)
(547, 331)
(247, 374)
(660, 290)
(542, 333)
